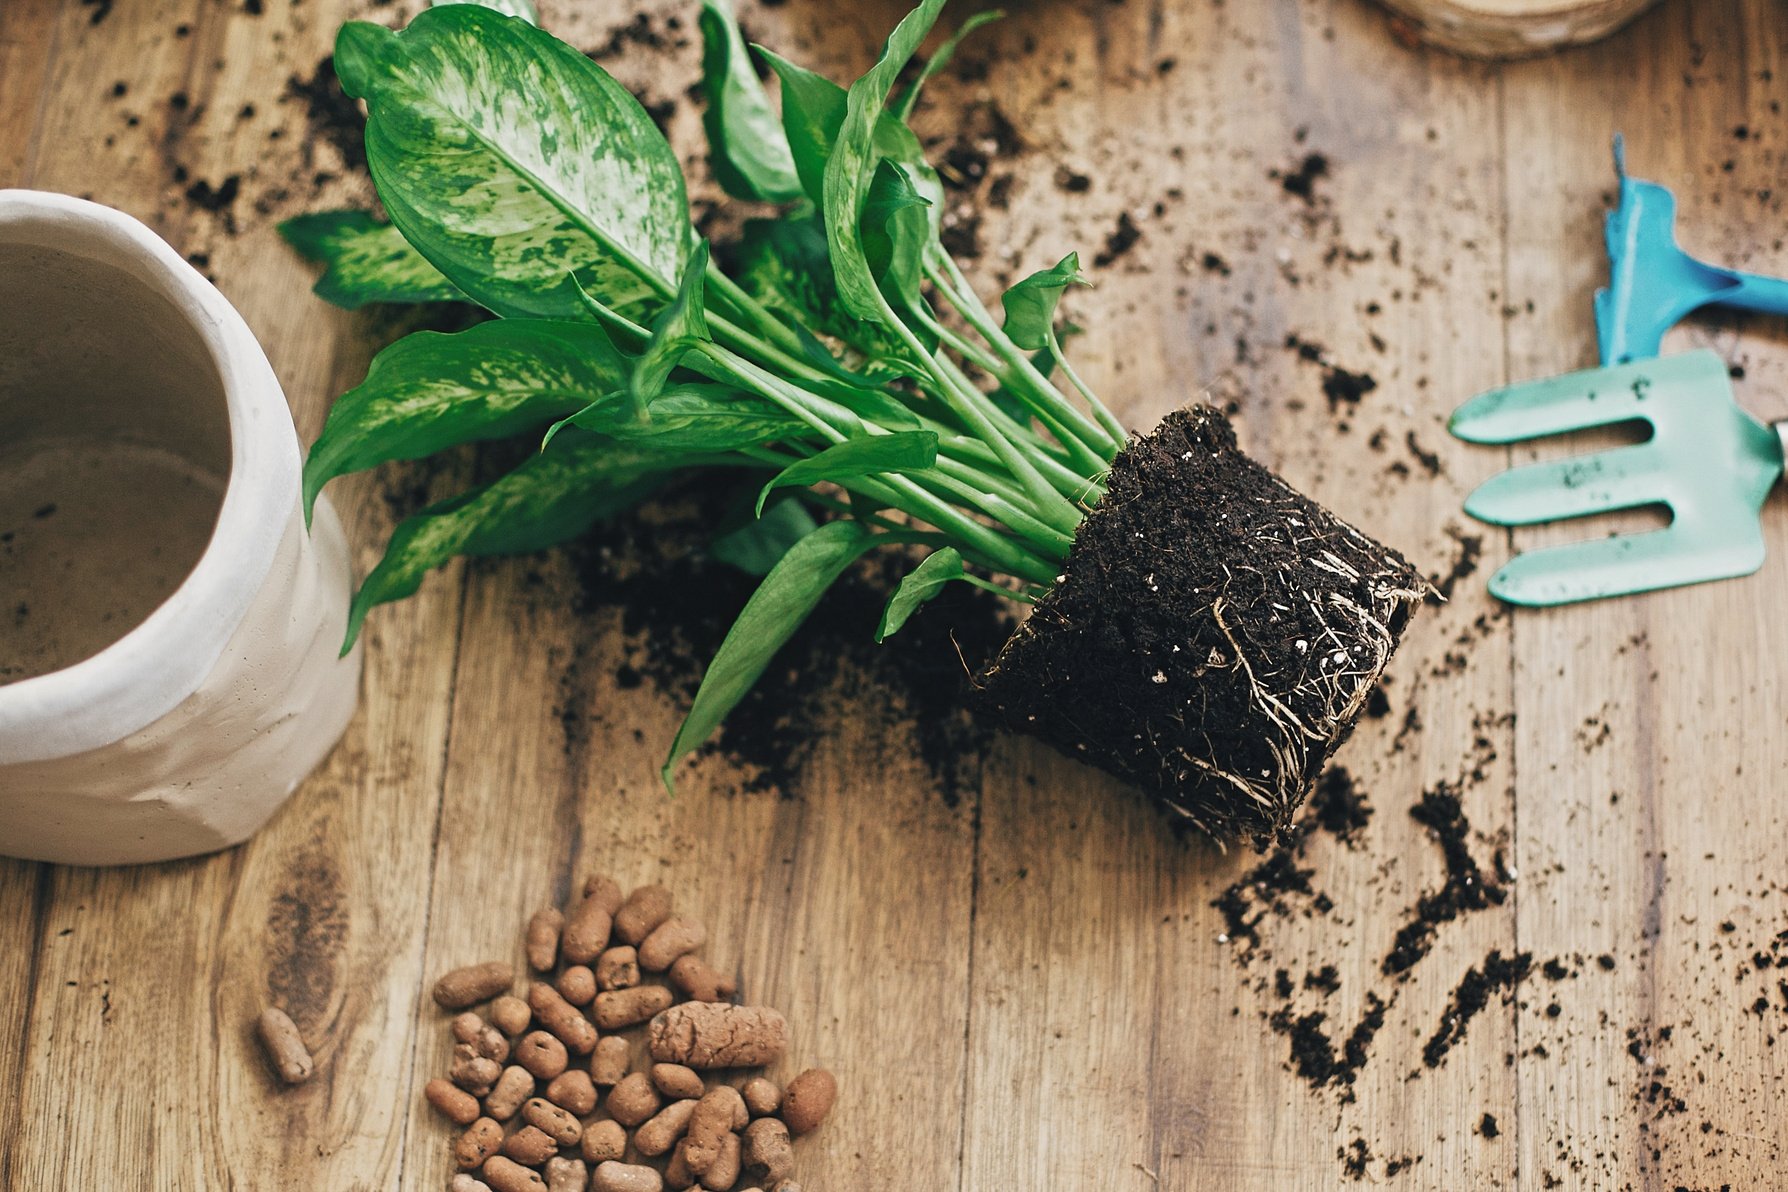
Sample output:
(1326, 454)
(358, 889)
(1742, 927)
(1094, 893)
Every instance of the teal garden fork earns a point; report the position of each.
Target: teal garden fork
(1707, 460)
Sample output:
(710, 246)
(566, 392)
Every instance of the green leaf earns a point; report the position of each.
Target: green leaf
(520, 9)
(758, 544)
(778, 608)
(513, 163)
(429, 391)
(813, 108)
(680, 326)
(850, 174)
(748, 150)
(1030, 305)
(367, 261)
(903, 107)
(920, 585)
(903, 451)
(784, 264)
(896, 230)
(553, 495)
(693, 417)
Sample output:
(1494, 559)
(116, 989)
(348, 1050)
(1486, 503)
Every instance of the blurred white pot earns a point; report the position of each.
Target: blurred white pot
(1515, 28)
(168, 630)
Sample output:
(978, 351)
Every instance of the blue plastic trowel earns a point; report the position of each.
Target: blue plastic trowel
(1653, 283)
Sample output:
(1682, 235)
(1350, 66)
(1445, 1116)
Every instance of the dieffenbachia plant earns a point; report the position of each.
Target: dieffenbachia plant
(845, 359)
(520, 176)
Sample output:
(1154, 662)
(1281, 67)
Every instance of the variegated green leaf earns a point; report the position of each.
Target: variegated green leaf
(367, 261)
(515, 164)
(747, 148)
(694, 417)
(428, 391)
(524, 9)
(850, 173)
(551, 496)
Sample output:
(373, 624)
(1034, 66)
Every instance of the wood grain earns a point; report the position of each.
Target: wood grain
(145, 982)
(1646, 717)
(1032, 988)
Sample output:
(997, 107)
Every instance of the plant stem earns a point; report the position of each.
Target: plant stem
(973, 406)
(1096, 431)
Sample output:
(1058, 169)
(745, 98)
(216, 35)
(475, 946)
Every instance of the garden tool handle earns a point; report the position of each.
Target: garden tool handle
(1756, 292)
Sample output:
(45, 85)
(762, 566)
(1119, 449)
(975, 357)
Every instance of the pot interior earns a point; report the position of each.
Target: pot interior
(114, 454)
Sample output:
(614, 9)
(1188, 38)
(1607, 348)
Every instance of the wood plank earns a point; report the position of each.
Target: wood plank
(844, 903)
(27, 49)
(1116, 1040)
(147, 980)
(1644, 738)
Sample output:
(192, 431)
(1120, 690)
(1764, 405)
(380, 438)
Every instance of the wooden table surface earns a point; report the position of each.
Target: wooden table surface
(1031, 987)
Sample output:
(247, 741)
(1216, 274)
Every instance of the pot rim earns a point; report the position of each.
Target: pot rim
(147, 672)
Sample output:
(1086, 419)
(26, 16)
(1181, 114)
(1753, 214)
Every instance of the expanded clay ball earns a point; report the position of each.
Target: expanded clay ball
(603, 1141)
(808, 1099)
(664, 1129)
(451, 1101)
(542, 941)
(510, 1015)
(541, 1054)
(530, 1146)
(480, 1141)
(619, 1009)
(566, 1175)
(641, 914)
(671, 939)
(625, 1177)
(465, 987)
(573, 1089)
(633, 1100)
(506, 1175)
(700, 981)
(610, 1060)
(577, 985)
(768, 1154)
(762, 1097)
(674, 1080)
(514, 1086)
(617, 968)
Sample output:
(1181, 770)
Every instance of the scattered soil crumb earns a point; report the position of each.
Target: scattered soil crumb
(1498, 974)
(334, 116)
(1301, 179)
(1339, 805)
(1466, 888)
(1123, 238)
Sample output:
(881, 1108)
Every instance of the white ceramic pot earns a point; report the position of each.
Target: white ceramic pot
(169, 632)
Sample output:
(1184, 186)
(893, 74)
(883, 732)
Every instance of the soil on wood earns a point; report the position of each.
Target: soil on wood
(1214, 638)
(675, 604)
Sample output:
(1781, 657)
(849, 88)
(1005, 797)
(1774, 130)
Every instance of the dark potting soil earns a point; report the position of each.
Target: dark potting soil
(1214, 638)
(675, 604)
(1465, 889)
(1339, 806)
(334, 116)
(1497, 974)
(1123, 238)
